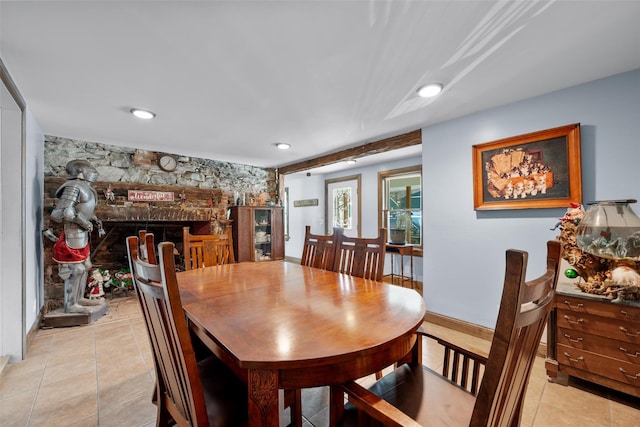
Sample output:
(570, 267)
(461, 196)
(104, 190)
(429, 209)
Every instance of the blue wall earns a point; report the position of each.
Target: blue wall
(464, 249)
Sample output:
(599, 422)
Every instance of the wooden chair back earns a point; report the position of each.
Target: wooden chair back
(361, 257)
(179, 387)
(319, 250)
(147, 247)
(207, 250)
(524, 310)
(425, 396)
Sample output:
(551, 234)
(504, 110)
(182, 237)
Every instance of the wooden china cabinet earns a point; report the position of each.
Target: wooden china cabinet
(594, 338)
(258, 233)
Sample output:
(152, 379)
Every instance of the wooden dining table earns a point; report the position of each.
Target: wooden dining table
(281, 325)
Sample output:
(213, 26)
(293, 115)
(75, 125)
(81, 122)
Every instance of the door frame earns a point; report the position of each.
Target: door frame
(11, 296)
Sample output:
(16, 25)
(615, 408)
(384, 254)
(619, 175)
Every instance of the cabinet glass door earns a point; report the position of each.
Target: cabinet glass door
(262, 235)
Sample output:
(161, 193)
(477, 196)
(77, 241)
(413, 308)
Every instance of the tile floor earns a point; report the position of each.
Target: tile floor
(101, 375)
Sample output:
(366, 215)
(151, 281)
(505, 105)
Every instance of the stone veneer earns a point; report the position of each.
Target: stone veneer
(124, 164)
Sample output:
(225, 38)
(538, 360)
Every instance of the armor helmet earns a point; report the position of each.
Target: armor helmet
(81, 169)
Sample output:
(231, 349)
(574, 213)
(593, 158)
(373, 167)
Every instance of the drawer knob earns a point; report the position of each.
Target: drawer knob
(579, 305)
(627, 333)
(633, 377)
(578, 359)
(624, 350)
(573, 339)
(575, 322)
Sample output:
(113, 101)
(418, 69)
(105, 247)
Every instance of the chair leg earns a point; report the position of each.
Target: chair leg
(293, 399)
(336, 404)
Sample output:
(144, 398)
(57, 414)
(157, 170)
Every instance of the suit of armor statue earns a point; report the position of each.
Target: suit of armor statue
(77, 201)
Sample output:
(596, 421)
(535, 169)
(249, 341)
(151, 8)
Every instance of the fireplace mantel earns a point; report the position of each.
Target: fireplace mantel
(189, 205)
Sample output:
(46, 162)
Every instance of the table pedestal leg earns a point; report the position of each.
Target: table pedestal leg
(264, 409)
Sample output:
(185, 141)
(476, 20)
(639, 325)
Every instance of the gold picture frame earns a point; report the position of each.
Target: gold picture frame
(536, 170)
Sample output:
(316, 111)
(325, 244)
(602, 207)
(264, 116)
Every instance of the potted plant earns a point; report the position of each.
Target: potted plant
(398, 234)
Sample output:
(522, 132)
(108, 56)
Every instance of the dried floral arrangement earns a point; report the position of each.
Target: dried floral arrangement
(595, 272)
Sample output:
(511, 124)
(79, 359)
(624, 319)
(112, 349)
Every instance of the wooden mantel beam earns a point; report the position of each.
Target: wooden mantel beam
(387, 144)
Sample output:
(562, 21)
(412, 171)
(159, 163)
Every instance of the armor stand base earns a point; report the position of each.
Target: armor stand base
(59, 319)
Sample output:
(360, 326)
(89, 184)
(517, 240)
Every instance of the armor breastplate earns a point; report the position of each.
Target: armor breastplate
(84, 205)
(75, 236)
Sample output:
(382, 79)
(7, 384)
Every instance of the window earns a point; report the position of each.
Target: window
(342, 207)
(400, 202)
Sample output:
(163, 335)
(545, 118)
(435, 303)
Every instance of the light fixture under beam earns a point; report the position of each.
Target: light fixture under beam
(429, 90)
(142, 114)
(283, 146)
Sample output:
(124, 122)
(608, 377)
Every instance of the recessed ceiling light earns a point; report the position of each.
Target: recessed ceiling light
(142, 114)
(429, 90)
(350, 161)
(283, 146)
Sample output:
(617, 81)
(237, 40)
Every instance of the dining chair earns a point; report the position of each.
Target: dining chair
(147, 247)
(319, 250)
(414, 395)
(361, 257)
(207, 250)
(188, 392)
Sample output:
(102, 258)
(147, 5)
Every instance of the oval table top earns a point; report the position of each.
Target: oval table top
(281, 315)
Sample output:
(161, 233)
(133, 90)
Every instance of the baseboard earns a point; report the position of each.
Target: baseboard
(472, 329)
(459, 325)
(35, 327)
(4, 361)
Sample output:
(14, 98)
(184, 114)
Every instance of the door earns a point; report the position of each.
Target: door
(342, 197)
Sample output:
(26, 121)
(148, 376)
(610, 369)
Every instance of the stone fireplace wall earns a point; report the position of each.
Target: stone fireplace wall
(203, 191)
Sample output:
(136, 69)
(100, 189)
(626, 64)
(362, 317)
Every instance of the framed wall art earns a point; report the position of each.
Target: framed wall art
(536, 170)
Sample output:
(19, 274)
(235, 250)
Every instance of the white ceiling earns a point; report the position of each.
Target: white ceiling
(229, 79)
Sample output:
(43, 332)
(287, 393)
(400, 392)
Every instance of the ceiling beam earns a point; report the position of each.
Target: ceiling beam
(393, 143)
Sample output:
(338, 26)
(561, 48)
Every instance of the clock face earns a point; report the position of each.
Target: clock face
(168, 163)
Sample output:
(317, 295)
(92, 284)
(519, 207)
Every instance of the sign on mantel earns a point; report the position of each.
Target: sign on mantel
(150, 196)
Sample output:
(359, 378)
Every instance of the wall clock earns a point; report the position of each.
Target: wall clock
(167, 163)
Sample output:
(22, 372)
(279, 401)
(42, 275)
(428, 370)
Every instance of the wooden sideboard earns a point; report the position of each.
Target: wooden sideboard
(594, 338)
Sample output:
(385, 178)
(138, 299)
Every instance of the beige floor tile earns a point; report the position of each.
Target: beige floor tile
(91, 421)
(106, 329)
(77, 356)
(60, 372)
(31, 365)
(39, 345)
(11, 384)
(624, 415)
(64, 412)
(556, 416)
(116, 379)
(576, 402)
(15, 409)
(75, 333)
(77, 386)
(119, 350)
(135, 411)
(115, 391)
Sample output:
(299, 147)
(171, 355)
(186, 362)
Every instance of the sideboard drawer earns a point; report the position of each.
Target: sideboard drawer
(596, 325)
(625, 351)
(594, 338)
(617, 370)
(603, 308)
